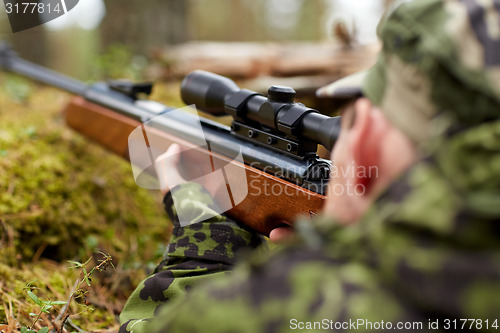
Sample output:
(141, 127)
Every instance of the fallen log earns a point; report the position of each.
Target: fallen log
(252, 60)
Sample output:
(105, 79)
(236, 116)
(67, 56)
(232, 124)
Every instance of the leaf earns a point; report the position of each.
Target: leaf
(33, 314)
(87, 280)
(28, 285)
(58, 303)
(24, 329)
(43, 330)
(76, 263)
(86, 277)
(34, 297)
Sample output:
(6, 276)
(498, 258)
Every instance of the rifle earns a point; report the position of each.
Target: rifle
(276, 138)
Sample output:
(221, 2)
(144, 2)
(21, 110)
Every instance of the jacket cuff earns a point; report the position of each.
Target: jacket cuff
(215, 238)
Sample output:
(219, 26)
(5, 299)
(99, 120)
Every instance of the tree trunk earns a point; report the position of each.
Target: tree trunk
(30, 44)
(144, 25)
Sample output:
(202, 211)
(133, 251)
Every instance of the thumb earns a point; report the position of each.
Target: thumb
(283, 234)
(173, 154)
(167, 168)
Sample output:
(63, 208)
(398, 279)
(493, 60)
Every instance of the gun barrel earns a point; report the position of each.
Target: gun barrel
(9, 61)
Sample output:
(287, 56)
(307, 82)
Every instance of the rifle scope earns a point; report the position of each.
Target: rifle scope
(274, 121)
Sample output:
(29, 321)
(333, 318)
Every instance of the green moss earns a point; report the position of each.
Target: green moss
(57, 189)
(63, 197)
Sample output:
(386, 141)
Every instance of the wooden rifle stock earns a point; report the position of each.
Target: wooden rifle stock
(269, 202)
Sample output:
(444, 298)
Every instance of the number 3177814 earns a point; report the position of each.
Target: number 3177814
(32, 7)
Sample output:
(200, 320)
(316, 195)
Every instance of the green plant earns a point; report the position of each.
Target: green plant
(44, 307)
(47, 306)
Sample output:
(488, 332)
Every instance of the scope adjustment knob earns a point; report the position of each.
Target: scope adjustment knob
(281, 94)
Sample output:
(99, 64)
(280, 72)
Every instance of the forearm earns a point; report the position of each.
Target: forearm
(195, 253)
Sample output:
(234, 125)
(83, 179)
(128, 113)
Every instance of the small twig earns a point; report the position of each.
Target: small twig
(11, 314)
(39, 252)
(86, 276)
(35, 320)
(11, 322)
(54, 324)
(23, 215)
(9, 234)
(72, 324)
(65, 307)
(11, 299)
(66, 316)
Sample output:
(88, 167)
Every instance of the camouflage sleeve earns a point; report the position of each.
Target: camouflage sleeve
(298, 288)
(195, 253)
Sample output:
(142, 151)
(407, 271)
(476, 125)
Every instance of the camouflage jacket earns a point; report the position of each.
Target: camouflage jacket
(426, 255)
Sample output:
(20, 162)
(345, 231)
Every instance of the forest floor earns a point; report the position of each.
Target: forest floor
(64, 198)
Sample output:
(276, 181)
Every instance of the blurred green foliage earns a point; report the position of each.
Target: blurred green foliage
(17, 88)
(118, 62)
